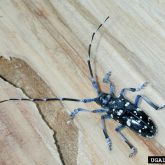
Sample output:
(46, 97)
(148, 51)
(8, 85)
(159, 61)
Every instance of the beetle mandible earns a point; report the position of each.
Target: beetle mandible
(119, 108)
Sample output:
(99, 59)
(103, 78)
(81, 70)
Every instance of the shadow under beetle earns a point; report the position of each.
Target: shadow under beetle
(119, 108)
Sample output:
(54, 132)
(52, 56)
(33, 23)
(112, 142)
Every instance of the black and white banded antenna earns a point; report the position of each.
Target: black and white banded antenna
(41, 99)
(86, 100)
(94, 82)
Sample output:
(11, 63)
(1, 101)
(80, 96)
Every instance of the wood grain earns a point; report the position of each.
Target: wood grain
(52, 38)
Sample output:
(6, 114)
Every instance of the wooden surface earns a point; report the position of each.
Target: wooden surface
(44, 48)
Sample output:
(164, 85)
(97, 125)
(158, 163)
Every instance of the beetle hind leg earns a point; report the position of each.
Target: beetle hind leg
(133, 149)
(133, 152)
(108, 140)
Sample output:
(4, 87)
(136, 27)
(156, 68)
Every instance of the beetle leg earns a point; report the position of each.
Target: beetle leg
(106, 80)
(95, 85)
(134, 150)
(140, 87)
(107, 77)
(108, 140)
(153, 105)
(76, 111)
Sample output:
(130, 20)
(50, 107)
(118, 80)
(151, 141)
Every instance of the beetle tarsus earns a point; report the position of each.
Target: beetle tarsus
(73, 114)
(161, 107)
(133, 152)
(142, 86)
(107, 77)
(109, 142)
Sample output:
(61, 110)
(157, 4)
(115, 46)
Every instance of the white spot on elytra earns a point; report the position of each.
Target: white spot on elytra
(129, 122)
(140, 117)
(112, 115)
(145, 127)
(138, 109)
(138, 121)
(127, 104)
(140, 131)
(113, 110)
(119, 112)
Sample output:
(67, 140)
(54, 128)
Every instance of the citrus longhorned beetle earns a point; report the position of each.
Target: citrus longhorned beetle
(128, 114)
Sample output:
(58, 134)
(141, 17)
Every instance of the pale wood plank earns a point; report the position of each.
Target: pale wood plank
(53, 36)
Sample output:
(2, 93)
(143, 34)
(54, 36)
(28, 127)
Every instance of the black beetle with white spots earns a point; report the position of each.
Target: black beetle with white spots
(127, 113)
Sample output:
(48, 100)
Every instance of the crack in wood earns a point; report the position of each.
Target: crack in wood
(20, 75)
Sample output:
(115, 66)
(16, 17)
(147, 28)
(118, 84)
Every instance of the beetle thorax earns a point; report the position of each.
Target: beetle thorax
(103, 99)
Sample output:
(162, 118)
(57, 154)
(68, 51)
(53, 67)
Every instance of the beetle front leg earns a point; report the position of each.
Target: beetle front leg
(76, 111)
(95, 85)
(153, 105)
(108, 140)
(134, 149)
(124, 90)
(106, 80)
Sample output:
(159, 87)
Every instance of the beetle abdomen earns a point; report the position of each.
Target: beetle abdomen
(131, 116)
(139, 122)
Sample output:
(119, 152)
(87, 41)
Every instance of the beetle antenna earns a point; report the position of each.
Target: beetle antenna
(95, 84)
(86, 100)
(90, 45)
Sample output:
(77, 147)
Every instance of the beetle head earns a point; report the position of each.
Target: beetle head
(103, 99)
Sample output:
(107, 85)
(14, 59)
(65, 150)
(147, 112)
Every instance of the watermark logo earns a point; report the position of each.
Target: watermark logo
(156, 159)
